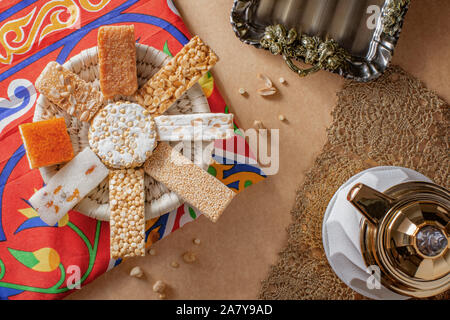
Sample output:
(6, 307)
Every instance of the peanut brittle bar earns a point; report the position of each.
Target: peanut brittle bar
(69, 92)
(189, 181)
(127, 208)
(117, 60)
(68, 186)
(46, 142)
(175, 78)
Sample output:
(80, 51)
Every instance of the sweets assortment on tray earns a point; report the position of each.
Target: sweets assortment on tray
(124, 135)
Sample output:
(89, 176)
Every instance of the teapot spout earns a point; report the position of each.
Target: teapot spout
(370, 202)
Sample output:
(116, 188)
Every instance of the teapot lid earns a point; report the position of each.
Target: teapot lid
(412, 240)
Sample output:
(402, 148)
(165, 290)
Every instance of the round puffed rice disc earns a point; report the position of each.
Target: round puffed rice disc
(123, 135)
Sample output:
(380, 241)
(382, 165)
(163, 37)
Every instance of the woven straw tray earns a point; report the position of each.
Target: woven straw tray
(159, 200)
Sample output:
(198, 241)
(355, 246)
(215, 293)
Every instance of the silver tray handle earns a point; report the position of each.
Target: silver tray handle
(321, 54)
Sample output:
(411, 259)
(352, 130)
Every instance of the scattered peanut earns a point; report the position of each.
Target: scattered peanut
(196, 241)
(174, 264)
(152, 252)
(267, 91)
(257, 124)
(136, 272)
(266, 80)
(189, 257)
(159, 287)
(282, 80)
(242, 91)
(281, 117)
(162, 296)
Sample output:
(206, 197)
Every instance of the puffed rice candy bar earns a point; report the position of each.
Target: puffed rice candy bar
(69, 92)
(127, 208)
(197, 127)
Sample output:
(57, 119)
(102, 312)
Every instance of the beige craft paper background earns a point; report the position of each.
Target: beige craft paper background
(235, 253)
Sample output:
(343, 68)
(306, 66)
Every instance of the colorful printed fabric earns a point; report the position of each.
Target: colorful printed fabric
(38, 261)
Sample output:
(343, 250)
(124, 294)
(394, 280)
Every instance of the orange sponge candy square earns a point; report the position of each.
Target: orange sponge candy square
(46, 142)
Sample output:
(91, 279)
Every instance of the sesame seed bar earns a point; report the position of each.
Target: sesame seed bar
(69, 92)
(46, 142)
(68, 186)
(189, 181)
(197, 127)
(117, 60)
(175, 78)
(127, 208)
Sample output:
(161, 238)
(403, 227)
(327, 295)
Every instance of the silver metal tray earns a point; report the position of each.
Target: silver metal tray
(354, 38)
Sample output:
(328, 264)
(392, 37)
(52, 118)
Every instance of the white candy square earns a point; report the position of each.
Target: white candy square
(69, 186)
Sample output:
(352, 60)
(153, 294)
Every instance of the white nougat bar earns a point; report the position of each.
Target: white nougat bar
(68, 186)
(194, 127)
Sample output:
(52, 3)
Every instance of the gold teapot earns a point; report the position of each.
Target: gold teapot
(406, 234)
